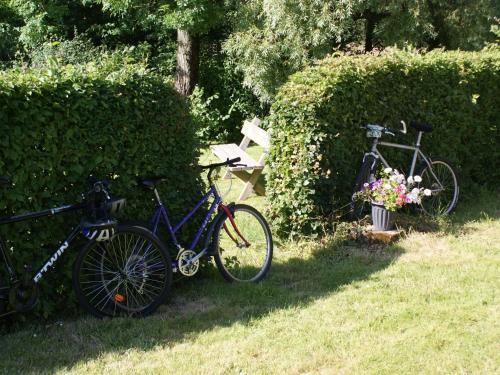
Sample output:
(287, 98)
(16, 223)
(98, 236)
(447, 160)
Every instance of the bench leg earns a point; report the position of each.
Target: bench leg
(247, 190)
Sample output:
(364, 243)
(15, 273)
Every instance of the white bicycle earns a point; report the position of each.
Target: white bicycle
(437, 173)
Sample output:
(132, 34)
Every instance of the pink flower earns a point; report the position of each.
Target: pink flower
(397, 189)
(399, 201)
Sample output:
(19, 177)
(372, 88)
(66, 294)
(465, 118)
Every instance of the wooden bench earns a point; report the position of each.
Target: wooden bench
(252, 132)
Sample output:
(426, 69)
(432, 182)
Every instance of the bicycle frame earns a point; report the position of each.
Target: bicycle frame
(416, 154)
(49, 262)
(160, 214)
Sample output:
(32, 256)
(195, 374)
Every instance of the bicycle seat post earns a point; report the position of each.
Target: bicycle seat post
(157, 196)
(419, 138)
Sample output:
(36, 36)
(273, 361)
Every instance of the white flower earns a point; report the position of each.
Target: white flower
(366, 184)
(410, 180)
(427, 192)
(417, 178)
(415, 191)
(388, 170)
(400, 179)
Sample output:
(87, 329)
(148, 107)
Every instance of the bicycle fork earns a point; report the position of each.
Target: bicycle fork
(235, 227)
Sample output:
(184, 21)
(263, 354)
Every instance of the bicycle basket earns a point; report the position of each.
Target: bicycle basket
(99, 223)
(115, 206)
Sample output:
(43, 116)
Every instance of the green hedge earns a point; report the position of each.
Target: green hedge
(57, 126)
(317, 145)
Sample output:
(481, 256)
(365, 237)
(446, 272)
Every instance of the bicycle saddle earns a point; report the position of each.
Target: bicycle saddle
(4, 180)
(421, 126)
(151, 182)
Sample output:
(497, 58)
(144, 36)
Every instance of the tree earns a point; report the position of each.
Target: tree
(190, 19)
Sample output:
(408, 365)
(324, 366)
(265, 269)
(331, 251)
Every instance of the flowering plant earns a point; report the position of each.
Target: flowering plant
(392, 190)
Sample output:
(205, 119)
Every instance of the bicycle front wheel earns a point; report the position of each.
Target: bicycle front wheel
(442, 180)
(243, 245)
(129, 275)
(359, 207)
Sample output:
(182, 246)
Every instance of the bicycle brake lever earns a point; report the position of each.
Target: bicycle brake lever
(404, 127)
(387, 131)
(237, 165)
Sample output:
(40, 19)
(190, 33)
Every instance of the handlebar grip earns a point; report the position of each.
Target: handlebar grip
(232, 161)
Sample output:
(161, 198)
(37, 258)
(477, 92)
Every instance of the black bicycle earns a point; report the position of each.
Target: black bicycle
(121, 270)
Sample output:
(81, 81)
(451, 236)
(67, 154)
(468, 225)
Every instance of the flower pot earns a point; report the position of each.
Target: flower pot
(381, 217)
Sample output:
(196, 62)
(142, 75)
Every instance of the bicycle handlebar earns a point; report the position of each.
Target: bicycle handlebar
(228, 162)
(385, 130)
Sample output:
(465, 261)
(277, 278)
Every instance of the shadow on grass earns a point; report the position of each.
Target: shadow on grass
(485, 205)
(201, 304)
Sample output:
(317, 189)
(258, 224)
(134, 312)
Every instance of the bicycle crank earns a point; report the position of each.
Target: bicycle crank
(185, 263)
(23, 297)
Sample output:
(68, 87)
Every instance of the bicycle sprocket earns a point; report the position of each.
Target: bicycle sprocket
(185, 264)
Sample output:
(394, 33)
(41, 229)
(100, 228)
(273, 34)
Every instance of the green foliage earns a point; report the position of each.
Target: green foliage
(75, 52)
(317, 145)
(196, 16)
(62, 124)
(221, 103)
(272, 39)
(9, 34)
(8, 42)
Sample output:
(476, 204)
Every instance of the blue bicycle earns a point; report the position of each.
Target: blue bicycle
(238, 237)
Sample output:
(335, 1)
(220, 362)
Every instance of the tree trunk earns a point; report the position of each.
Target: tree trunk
(186, 76)
(371, 21)
(369, 29)
(439, 23)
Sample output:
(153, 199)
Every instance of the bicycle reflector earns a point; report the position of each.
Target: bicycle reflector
(99, 230)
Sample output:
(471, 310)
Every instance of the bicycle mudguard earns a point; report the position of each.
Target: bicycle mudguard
(213, 224)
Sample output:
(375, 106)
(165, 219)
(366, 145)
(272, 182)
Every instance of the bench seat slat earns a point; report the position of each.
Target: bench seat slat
(231, 151)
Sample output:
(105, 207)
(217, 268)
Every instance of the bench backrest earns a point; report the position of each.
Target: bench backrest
(253, 132)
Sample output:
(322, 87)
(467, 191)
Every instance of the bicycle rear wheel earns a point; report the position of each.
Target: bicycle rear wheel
(131, 274)
(243, 249)
(442, 180)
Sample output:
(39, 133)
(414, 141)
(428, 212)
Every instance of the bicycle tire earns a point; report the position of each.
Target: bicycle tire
(232, 260)
(133, 283)
(358, 207)
(445, 201)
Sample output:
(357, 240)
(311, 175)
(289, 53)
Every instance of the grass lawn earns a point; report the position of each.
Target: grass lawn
(426, 304)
